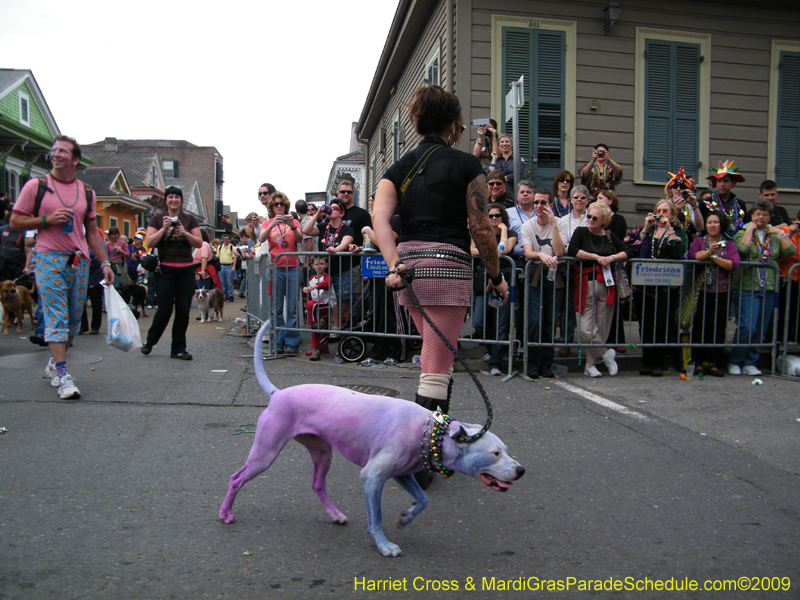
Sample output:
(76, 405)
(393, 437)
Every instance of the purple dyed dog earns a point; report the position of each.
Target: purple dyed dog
(382, 435)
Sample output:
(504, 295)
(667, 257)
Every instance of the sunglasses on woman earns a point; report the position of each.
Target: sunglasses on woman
(565, 180)
(576, 197)
(495, 216)
(592, 218)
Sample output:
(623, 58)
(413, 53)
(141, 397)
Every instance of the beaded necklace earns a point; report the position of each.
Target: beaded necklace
(764, 250)
(77, 193)
(433, 443)
(657, 243)
(735, 214)
(282, 235)
(598, 183)
(330, 237)
(712, 269)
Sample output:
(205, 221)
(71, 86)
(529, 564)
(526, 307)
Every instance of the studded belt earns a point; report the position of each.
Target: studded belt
(439, 273)
(441, 254)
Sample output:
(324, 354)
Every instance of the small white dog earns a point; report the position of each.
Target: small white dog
(207, 300)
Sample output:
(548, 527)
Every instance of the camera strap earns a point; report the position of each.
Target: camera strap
(417, 168)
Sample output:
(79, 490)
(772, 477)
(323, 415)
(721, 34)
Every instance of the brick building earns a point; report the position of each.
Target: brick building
(183, 160)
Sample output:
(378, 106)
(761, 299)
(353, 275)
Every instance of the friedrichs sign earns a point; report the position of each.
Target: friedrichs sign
(656, 273)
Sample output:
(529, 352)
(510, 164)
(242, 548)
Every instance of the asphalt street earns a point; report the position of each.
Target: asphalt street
(633, 482)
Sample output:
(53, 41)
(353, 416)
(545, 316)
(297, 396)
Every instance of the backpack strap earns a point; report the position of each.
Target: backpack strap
(39, 195)
(42, 189)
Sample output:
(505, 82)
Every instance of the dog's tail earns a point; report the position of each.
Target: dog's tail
(258, 362)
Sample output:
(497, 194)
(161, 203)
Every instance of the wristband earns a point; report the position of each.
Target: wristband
(105, 263)
(497, 280)
(44, 221)
(781, 235)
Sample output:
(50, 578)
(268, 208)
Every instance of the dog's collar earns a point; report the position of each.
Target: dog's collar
(436, 427)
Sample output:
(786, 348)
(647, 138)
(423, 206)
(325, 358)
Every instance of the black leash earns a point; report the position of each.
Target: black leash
(407, 276)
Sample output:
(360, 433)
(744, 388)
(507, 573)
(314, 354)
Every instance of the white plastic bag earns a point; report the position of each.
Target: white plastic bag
(123, 328)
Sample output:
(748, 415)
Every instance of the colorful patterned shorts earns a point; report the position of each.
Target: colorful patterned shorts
(62, 292)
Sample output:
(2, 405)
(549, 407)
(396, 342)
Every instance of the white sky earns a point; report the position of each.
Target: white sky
(274, 86)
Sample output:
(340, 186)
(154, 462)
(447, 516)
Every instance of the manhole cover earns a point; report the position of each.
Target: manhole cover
(373, 390)
(39, 359)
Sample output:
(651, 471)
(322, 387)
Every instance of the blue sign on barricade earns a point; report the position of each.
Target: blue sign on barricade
(656, 273)
(373, 266)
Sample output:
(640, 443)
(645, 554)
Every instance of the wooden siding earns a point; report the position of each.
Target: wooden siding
(741, 38)
(411, 78)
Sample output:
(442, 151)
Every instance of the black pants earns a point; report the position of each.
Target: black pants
(96, 296)
(175, 287)
(658, 326)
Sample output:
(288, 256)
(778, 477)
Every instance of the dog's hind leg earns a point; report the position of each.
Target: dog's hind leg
(409, 484)
(267, 445)
(321, 455)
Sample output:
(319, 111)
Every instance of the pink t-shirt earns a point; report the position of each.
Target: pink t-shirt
(282, 233)
(52, 237)
(202, 252)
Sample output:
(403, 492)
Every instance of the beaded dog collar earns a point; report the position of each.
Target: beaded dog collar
(432, 443)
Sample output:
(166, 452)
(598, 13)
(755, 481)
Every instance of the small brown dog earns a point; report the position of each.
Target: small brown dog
(14, 298)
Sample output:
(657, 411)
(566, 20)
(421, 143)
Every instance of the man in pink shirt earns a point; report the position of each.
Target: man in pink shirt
(62, 248)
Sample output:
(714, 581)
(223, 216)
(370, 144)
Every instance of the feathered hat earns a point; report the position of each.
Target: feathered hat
(725, 168)
(679, 180)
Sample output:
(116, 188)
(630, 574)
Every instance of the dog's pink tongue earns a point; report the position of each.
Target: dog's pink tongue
(494, 483)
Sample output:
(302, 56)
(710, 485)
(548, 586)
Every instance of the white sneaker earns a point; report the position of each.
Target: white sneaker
(67, 388)
(591, 371)
(750, 370)
(608, 361)
(51, 372)
(735, 369)
(486, 358)
(495, 371)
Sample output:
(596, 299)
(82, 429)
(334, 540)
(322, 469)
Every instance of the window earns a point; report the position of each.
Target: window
(672, 105)
(126, 229)
(11, 178)
(170, 168)
(543, 51)
(396, 137)
(24, 109)
(783, 154)
(432, 68)
(113, 222)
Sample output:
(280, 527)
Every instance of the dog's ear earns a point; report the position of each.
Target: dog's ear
(457, 429)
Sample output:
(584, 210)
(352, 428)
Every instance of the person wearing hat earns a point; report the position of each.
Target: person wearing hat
(723, 198)
(136, 251)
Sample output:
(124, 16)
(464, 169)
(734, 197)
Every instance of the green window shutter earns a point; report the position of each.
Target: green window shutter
(540, 56)
(672, 108)
(175, 169)
(787, 163)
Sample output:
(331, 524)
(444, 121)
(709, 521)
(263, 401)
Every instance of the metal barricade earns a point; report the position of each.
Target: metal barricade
(789, 324)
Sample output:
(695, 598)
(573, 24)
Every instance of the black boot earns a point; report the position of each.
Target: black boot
(445, 404)
(429, 403)
(424, 479)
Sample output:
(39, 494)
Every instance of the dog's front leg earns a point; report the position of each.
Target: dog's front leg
(409, 484)
(373, 488)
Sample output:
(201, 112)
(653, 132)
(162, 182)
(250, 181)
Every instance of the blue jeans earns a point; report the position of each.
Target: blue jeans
(226, 277)
(753, 316)
(544, 304)
(287, 291)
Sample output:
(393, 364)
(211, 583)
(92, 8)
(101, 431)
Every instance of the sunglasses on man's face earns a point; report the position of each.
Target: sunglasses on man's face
(494, 183)
(542, 202)
(345, 191)
(263, 193)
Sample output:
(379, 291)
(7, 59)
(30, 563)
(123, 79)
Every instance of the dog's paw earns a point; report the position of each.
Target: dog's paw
(390, 549)
(227, 517)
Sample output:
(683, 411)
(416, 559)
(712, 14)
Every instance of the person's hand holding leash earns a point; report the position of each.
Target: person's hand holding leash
(393, 279)
(502, 288)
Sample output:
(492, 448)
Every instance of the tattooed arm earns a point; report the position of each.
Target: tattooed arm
(482, 233)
